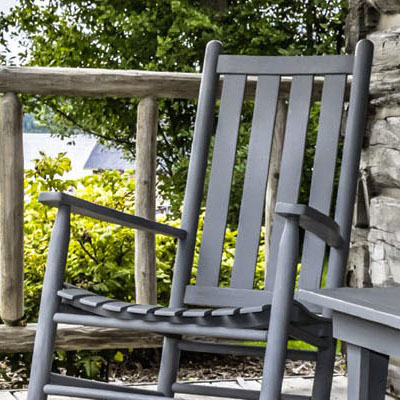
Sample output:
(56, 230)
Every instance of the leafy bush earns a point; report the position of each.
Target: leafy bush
(101, 255)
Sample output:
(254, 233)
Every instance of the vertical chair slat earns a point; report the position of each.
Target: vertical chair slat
(220, 180)
(323, 175)
(292, 161)
(251, 210)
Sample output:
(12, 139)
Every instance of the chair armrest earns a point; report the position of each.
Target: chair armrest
(87, 209)
(313, 221)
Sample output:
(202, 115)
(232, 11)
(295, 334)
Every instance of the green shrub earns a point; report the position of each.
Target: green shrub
(101, 255)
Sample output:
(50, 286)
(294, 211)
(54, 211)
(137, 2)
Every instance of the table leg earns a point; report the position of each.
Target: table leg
(367, 373)
(378, 371)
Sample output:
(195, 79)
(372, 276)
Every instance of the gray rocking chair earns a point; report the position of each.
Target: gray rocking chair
(238, 312)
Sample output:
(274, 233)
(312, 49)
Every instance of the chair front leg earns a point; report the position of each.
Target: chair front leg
(324, 372)
(281, 310)
(46, 328)
(169, 365)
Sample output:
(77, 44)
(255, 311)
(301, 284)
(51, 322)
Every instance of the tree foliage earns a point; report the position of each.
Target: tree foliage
(163, 35)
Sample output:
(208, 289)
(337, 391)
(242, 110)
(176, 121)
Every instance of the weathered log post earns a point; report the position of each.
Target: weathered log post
(145, 177)
(11, 210)
(273, 174)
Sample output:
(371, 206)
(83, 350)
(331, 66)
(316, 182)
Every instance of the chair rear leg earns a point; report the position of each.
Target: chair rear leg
(46, 329)
(274, 367)
(324, 372)
(169, 365)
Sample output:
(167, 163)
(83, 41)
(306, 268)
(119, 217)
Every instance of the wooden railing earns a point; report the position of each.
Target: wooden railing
(146, 85)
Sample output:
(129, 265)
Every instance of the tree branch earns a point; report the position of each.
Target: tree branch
(87, 252)
(81, 127)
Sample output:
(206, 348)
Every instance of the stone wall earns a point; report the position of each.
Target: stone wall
(375, 251)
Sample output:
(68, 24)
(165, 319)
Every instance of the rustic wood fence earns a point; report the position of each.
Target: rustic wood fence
(146, 85)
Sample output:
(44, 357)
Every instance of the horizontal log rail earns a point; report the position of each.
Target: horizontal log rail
(77, 337)
(90, 82)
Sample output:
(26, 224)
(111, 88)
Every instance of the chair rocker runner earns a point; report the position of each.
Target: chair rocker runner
(238, 312)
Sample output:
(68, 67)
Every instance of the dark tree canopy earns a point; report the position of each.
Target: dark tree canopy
(163, 35)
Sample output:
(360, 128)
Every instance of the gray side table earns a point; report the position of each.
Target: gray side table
(368, 320)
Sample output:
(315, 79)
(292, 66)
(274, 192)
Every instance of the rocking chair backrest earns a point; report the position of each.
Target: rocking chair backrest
(268, 70)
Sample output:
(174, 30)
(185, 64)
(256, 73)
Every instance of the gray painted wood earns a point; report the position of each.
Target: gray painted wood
(252, 207)
(355, 128)
(251, 316)
(58, 379)
(145, 200)
(368, 320)
(11, 211)
(219, 312)
(235, 331)
(312, 221)
(220, 181)
(289, 66)
(74, 293)
(373, 343)
(281, 310)
(197, 313)
(225, 297)
(323, 175)
(117, 306)
(216, 391)
(367, 374)
(292, 161)
(354, 379)
(203, 129)
(142, 309)
(95, 301)
(254, 309)
(323, 378)
(53, 282)
(62, 390)
(379, 305)
(169, 312)
(83, 207)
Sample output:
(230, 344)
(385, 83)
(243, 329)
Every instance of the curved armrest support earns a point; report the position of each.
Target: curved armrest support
(87, 209)
(312, 221)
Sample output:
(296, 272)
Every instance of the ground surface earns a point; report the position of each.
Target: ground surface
(142, 367)
(227, 371)
(295, 385)
(212, 367)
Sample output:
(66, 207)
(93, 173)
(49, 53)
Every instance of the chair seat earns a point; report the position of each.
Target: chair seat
(254, 317)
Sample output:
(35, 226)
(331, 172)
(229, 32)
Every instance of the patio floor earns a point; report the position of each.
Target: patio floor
(293, 385)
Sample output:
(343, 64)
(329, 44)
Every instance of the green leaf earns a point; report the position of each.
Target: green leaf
(118, 356)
